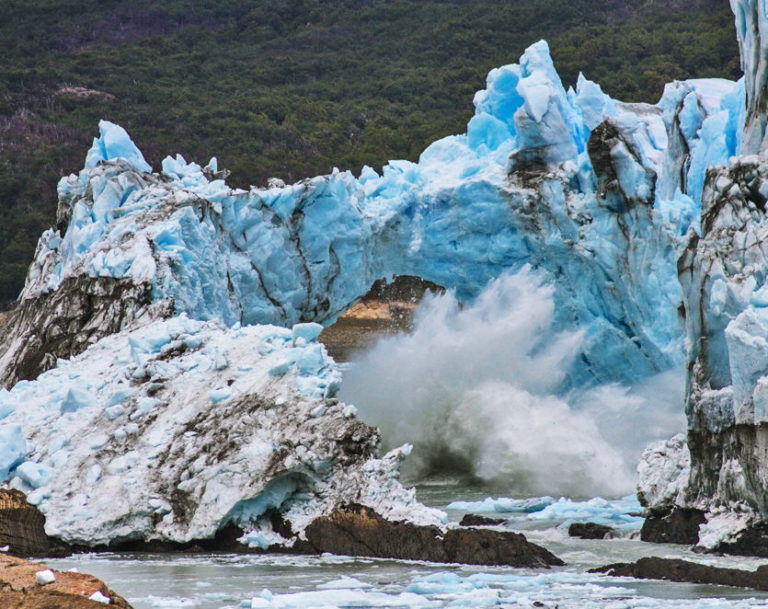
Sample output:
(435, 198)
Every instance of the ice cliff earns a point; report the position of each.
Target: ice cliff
(155, 304)
(179, 428)
(723, 472)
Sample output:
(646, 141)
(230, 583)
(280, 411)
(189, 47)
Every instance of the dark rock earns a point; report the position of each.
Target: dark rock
(751, 542)
(359, 531)
(591, 530)
(475, 520)
(680, 526)
(677, 570)
(356, 530)
(603, 143)
(65, 322)
(22, 526)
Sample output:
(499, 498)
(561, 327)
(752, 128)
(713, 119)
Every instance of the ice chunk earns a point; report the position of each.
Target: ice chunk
(100, 598)
(34, 474)
(309, 332)
(76, 398)
(45, 577)
(503, 505)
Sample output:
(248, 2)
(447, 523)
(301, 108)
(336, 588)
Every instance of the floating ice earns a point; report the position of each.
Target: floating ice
(623, 514)
(620, 513)
(503, 505)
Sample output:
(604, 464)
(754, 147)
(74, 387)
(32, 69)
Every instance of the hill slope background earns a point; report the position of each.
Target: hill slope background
(292, 89)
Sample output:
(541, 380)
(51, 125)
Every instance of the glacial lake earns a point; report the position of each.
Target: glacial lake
(228, 581)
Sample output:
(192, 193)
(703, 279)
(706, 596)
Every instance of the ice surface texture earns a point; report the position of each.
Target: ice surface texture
(180, 427)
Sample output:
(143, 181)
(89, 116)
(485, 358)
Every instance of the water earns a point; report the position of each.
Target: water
(223, 581)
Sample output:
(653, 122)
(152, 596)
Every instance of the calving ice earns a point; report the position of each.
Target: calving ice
(155, 285)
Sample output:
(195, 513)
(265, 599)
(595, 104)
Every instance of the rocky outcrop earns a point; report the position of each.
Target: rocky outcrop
(591, 530)
(671, 569)
(19, 588)
(359, 531)
(22, 526)
(356, 530)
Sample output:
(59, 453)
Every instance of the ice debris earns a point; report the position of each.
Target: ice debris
(45, 577)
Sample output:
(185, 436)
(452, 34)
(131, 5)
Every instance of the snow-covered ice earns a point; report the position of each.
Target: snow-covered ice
(184, 408)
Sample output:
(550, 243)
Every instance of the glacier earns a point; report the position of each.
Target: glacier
(572, 183)
(163, 297)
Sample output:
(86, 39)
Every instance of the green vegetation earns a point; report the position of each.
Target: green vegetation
(292, 88)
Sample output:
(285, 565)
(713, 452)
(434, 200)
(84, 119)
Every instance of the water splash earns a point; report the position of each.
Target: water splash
(480, 390)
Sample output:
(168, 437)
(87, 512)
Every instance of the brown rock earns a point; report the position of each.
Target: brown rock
(22, 526)
(19, 588)
(359, 531)
(42, 599)
(684, 571)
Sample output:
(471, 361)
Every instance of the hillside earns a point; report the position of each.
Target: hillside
(293, 89)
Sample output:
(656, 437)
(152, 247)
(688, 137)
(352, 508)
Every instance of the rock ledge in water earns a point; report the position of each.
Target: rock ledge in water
(591, 530)
(677, 570)
(359, 531)
(475, 520)
(680, 526)
(20, 590)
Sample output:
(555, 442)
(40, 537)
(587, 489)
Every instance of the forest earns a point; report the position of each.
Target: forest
(293, 89)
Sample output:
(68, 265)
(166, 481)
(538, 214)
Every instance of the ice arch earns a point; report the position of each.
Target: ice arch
(572, 183)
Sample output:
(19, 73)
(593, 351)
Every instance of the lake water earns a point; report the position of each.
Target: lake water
(224, 581)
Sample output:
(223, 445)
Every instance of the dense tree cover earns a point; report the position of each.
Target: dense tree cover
(294, 88)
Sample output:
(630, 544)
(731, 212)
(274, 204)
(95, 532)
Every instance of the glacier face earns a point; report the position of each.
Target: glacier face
(723, 273)
(752, 32)
(593, 193)
(598, 197)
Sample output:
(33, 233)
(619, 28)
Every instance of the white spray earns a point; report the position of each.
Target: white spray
(478, 388)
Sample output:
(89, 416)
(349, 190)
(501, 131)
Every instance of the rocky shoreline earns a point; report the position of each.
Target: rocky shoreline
(29, 585)
(352, 530)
